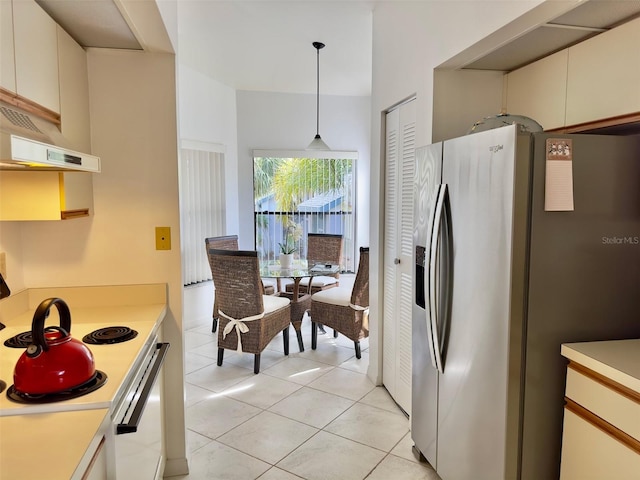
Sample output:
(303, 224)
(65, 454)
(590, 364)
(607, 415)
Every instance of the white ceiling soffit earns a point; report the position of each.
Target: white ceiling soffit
(584, 20)
(92, 23)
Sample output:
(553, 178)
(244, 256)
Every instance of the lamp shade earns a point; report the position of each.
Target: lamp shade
(318, 144)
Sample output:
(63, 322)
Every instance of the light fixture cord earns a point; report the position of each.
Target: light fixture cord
(318, 92)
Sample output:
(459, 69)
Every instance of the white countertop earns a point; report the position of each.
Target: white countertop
(49, 445)
(56, 440)
(618, 360)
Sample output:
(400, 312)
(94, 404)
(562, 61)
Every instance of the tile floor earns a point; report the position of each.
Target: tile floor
(312, 415)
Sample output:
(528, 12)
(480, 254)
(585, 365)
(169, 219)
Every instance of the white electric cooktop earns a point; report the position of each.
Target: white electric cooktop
(118, 361)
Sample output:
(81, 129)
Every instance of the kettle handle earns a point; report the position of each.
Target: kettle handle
(40, 315)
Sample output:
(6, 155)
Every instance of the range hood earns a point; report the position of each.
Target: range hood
(29, 142)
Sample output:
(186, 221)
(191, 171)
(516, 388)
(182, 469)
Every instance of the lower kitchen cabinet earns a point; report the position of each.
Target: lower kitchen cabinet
(97, 469)
(590, 453)
(38, 195)
(601, 430)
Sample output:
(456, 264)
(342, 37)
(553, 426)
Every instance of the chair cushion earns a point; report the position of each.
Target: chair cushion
(269, 285)
(319, 281)
(272, 303)
(335, 296)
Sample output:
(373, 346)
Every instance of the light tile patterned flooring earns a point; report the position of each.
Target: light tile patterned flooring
(312, 415)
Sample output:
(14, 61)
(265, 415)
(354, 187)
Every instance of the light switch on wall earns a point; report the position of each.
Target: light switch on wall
(163, 238)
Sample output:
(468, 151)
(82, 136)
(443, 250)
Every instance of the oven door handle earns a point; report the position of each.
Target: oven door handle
(132, 425)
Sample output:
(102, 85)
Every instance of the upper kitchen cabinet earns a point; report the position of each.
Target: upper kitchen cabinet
(74, 92)
(7, 57)
(35, 39)
(539, 90)
(604, 75)
(37, 195)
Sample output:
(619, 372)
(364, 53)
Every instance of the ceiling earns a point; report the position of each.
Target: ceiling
(266, 45)
(259, 45)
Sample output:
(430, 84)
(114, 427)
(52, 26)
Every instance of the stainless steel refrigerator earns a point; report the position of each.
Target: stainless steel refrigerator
(500, 283)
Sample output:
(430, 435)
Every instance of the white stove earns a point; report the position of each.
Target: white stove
(126, 440)
(119, 361)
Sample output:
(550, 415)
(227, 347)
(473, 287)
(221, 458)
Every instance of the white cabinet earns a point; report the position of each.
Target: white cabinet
(74, 92)
(36, 54)
(36, 195)
(594, 80)
(7, 57)
(601, 430)
(588, 453)
(539, 90)
(604, 75)
(97, 469)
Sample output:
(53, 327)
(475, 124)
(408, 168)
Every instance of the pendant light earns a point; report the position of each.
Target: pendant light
(317, 143)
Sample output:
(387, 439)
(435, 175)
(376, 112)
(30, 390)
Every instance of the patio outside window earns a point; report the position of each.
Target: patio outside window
(315, 194)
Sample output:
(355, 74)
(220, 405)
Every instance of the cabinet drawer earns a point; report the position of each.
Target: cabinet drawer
(610, 402)
(590, 454)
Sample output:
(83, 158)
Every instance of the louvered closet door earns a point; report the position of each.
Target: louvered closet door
(398, 244)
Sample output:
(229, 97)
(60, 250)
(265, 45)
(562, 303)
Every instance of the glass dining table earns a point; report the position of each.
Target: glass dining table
(300, 297)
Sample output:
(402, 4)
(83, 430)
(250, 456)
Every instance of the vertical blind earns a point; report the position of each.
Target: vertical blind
(202, 209)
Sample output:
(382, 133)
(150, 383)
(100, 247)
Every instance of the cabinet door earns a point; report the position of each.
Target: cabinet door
(7, 58)
(76, 195)
(74, 92)
(98, 468)
(604, 75)
(590, 454)
(539, 90)
(34, 195)
(36, 54)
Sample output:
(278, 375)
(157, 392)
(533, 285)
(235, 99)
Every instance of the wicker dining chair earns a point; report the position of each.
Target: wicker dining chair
(227, 242)
(343, 309)
(322, 248)
(248, 319)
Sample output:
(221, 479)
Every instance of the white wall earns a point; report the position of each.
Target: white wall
(11, 245)
(288, 121)
(461, 98)
(208, 114)
(410, 39)
(133, 129)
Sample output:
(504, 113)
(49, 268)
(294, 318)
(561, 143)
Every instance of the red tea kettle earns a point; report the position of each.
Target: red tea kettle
(55, 361)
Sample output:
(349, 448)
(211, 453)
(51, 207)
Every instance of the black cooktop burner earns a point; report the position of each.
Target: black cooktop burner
(109, 335)
(98, 380)
(21, 340)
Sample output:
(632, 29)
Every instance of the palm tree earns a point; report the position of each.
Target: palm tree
(291, 181)
(264, 169)
(298, 179)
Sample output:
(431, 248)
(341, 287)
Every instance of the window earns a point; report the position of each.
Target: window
(202, 206)
(316, 195)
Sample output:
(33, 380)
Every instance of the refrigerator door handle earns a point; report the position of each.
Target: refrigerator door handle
(433, 269)
(428, 280)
